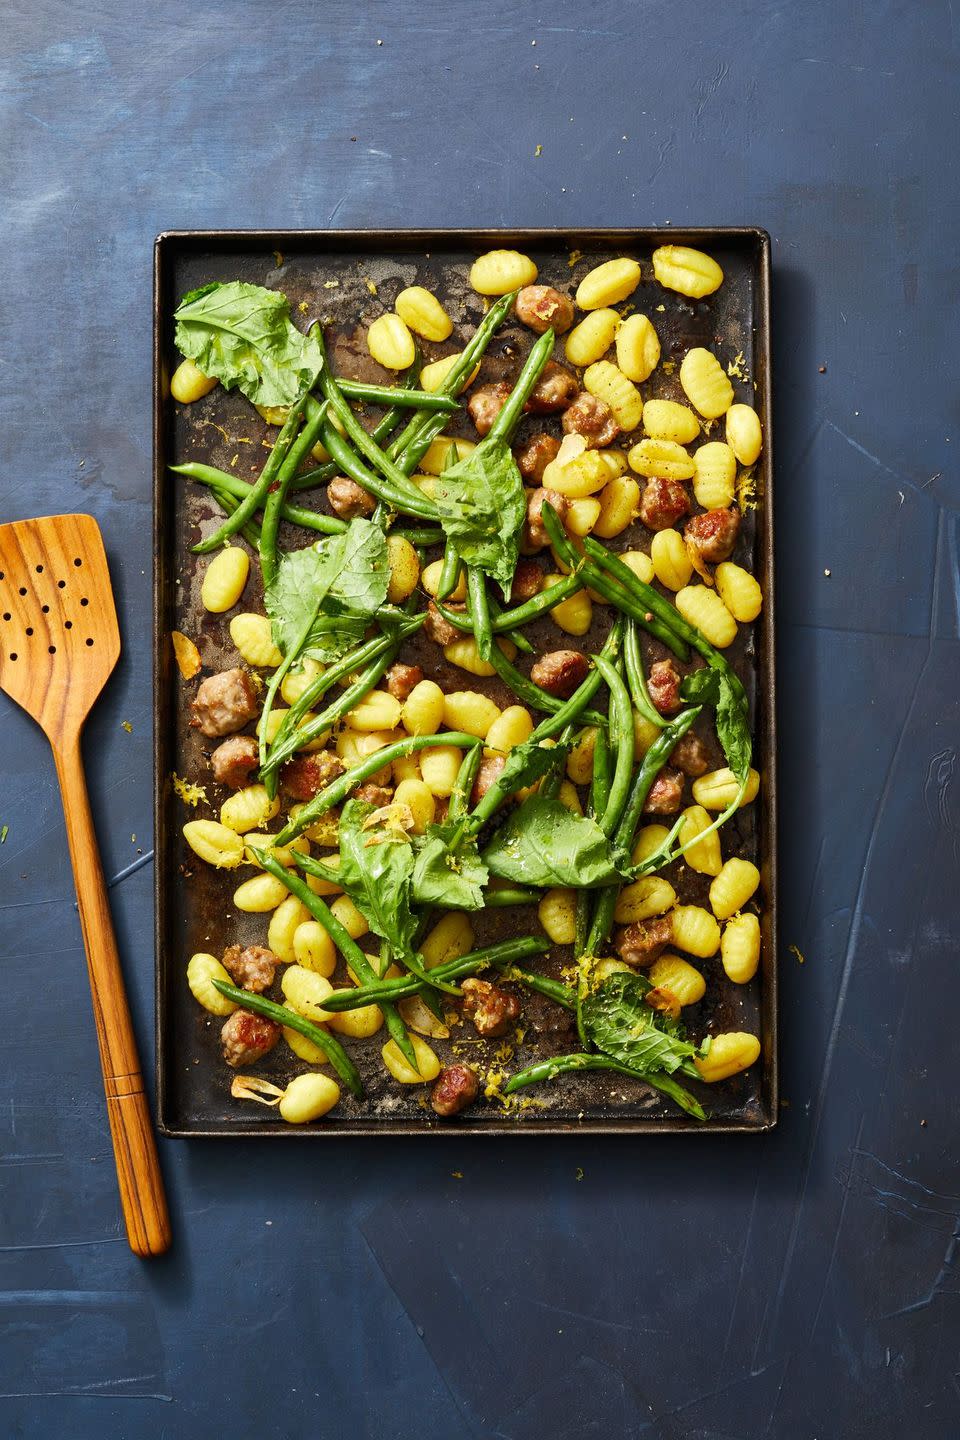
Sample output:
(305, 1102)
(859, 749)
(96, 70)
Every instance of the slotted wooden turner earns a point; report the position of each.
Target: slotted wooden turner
(59, 641)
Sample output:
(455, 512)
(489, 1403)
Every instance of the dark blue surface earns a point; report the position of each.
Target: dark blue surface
(799, 1285)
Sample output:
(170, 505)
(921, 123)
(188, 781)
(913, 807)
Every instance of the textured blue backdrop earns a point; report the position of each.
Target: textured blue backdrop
(801, 1285)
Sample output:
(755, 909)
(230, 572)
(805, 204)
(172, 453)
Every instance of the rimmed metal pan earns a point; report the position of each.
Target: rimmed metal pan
(342, 276)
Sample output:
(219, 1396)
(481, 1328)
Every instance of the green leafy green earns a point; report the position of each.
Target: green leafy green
(243, 335)
(346, 574)
(619, 1022)
(721, 689)
(482, 508)
(450, 878)
(543, 843)
(376, 871)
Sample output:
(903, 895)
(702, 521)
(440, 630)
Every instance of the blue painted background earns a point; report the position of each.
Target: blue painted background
(801, 1285)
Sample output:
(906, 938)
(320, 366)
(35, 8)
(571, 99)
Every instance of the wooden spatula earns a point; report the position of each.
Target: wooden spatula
(59, 641)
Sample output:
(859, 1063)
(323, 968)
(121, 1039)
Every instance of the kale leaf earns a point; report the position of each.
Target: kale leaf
(243, 335)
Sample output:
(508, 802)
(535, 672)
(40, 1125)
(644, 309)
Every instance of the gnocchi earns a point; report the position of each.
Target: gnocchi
(500, 271)
(390, 343)
(188, 383)
(224, 580)
(592, 338)
(422, 313)
(744, 435)
(308, 1097)
(688, 271)
(715, 474)
(668, 420)
(695, 930)
(705, 384)
(557, 913)
(740, 948)
(739, 591)
(214, 843)
(253, 637)
(729, 1054)
(607, 383)
(733, 886)
(670, 559)
(202, 970)
(704, 609)
(608, 284)
(663, 459)
(638, 347)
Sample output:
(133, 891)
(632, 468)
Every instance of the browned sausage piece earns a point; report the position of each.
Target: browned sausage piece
(454, 1089)
(491, 1009)
(527, 582)
(374, 794)
(560, 672)
(235, 760)
(690, 755)
(640, 944)
(401, 679)
(251, 966)
(303, 776)
(591, 418)
(555, 390)
(491, 768)
(224, 703)
(663, 683)
(486, 403)
(713, 534)
(246, 1038)
(666, 793)
(540, 307)
(439, 630)
(535, 536)
(663, 503)
(348, 499)
(535, 454)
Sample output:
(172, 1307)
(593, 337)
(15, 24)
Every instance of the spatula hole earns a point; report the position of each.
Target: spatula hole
(78, 562)
(45, 609)
(51, 649)
(6, 615)
(29, 629)
(89, 642)
(84, 601)
(68, 624)
(39, 569)
(13, 656)
(23, 589)
(61, 584)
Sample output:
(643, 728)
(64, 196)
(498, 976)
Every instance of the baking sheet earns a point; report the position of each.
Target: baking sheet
(347, 279)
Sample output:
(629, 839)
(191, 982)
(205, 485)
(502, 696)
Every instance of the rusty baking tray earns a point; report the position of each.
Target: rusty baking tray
(343, 276)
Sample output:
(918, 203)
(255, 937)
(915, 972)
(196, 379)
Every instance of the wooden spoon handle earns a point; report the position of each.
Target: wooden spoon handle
(138, 1168)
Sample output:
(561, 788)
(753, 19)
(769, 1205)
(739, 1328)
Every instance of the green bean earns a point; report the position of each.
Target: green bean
(379, 432)
(353, 661)
(324, 1041)
(414, 440)
(409, 500)
(505, 953)
(539, 605)
(276, 680)
(463, 785)
(450, 574)
(532, 694)
(600, 780)
(510, 896)
(480, 614)
(633, 662)
(355, 433)
(340, 788)
(293, 740)
(394, 395)
(259, 490)
(516, 637)
(356, 958)
(621, 731)
(648, 770)
(617, 594)
(567, 1064)
(427, 536)
(655, 602)
(277, 495)
(251, 530)
(573, 709)
(242, 489)
(509, 417)
(553, 989)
